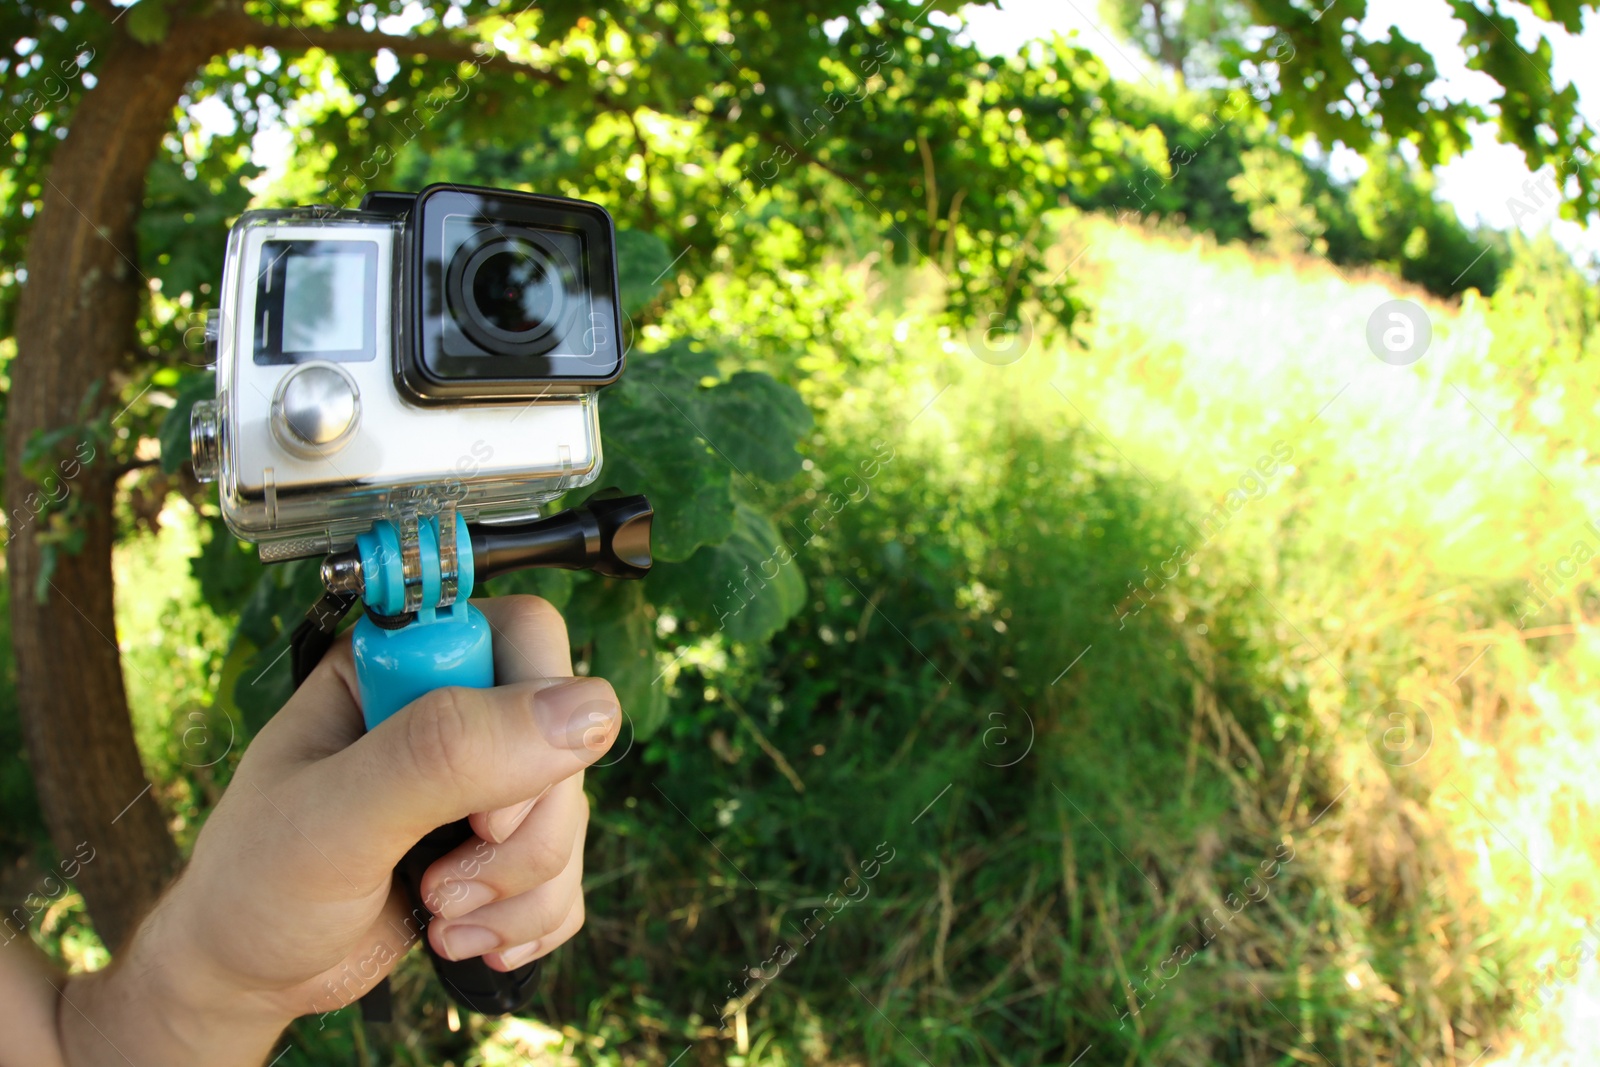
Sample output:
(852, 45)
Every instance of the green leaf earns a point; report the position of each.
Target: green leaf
(227, 569)
(183, 228)
(754, 420)
(749, 586)
(147, 21)
(274, 608)
(264, 685)
(652, 446)
(621, 627)
(680, 366)
(280, 599)
(174, 433)
(642, 260)
(553, 585)
(684, 445)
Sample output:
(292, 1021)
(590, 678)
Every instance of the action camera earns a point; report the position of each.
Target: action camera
(429, 349)
(401, 389)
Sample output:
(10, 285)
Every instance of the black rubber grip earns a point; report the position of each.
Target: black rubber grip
(470, 983)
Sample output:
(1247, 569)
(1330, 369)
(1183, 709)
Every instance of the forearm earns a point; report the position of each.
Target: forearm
(154, 1006)
(28, 988)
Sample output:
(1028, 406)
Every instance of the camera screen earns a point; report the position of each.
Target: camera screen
(316, 300)
(315, 289)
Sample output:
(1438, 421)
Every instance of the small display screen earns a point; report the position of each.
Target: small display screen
(317, 300)
(323, 298)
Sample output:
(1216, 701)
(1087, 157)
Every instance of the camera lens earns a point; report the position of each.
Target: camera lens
(514, 288)
(509, 292)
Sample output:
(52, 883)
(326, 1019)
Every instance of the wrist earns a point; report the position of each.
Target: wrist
(164, 1000)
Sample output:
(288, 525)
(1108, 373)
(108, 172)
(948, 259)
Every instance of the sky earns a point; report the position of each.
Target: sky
(1479, 184)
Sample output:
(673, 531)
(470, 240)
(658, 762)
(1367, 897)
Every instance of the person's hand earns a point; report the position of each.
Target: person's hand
(288, 906)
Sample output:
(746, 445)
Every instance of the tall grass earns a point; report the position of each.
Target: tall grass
(1245, 711)
(1130, 755)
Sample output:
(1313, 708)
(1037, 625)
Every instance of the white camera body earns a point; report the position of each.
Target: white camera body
(332, 411)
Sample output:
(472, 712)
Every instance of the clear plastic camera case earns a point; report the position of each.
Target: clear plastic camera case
(310, 437)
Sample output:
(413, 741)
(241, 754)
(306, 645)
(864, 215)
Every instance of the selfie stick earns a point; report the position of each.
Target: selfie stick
(419, 634)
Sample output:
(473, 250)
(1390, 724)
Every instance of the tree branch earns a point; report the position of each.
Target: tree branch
(132, 465)
(354, 39)
(808, 158)
(652, 217)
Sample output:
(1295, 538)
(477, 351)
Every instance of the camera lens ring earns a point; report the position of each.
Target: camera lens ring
(499, 249)
(462, 291)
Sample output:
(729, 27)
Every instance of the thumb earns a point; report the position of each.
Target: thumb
(456, 751)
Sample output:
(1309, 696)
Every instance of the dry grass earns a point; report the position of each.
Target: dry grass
(1392, 553)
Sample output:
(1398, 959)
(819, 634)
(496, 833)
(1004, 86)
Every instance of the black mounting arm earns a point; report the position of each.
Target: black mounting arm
(610, 537)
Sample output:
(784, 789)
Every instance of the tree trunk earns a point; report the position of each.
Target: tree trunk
(75, 325)
(1169, 49)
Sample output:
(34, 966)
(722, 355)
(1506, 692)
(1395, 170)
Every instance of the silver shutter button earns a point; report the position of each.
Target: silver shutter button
(316, 408)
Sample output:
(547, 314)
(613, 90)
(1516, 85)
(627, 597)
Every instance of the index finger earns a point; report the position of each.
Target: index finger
(530, 645)
(530, 639)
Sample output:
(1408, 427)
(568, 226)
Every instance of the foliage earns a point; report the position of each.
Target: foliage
(1547, 312)
(1060, 826)
(949, 601)
(1191, 38)
(1224, 170)
(880, 557)
(183, 213)
(1545, 320)
(1406, 229)
(52, 48)
(1316, 77)
(1274, 188)
(190, 740)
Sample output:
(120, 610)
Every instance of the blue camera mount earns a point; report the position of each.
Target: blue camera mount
(419, 633)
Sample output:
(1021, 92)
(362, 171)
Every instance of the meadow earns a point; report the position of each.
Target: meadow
(1180, 685)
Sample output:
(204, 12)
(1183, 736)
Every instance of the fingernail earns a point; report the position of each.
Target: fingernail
(512, 958)
(580, 714)
(463, 898)
(465, 942)
(501, 824)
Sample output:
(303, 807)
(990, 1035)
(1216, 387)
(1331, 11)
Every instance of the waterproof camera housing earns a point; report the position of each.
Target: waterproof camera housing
(433, 350)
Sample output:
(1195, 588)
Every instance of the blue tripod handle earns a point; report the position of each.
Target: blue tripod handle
(400, 658)
(419, 634)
